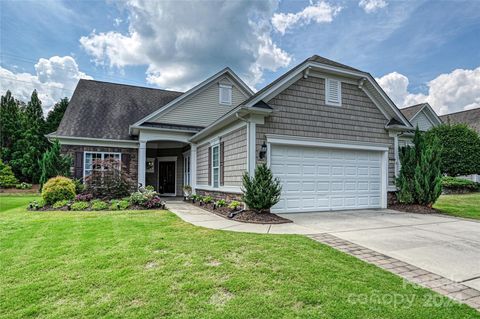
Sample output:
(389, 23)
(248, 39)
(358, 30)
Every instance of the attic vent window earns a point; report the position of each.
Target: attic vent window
(333, 92)
(225, 94)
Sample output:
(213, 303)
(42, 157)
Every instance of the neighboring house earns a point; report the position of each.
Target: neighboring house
(327, 130)
(420, 115)
(423, 116)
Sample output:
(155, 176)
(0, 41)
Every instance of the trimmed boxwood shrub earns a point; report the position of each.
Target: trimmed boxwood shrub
(460, 184)
(80, 206)
(57, 189)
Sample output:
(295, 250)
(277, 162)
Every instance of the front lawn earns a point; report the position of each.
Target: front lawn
(467, 205)
(145, 264)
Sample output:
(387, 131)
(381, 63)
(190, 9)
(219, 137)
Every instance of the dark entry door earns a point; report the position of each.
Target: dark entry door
(166, 172)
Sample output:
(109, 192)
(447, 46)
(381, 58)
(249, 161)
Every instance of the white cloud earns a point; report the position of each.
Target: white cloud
(450, 92)
(370, 6)
(321, 12)
(54, 78)
(183, 42)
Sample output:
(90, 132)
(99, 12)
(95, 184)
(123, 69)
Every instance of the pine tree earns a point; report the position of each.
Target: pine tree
(10, 118)
(31, 144)
(53, 163)
(262, 191)
(419, 181)
(55, 116)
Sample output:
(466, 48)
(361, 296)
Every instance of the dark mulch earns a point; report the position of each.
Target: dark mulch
(246, 216)
(419, 209)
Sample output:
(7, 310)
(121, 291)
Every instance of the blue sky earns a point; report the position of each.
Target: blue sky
(406, 45)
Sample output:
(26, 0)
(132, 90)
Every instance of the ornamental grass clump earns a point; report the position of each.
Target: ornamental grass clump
(262, 191)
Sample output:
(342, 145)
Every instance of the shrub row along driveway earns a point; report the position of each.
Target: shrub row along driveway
(144, 264)
(443, 245)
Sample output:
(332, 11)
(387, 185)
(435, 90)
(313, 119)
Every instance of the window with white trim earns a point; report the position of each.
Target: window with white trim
(216, 165)
(333, 92)
(186, 170)
(225, 94)
(91, 157)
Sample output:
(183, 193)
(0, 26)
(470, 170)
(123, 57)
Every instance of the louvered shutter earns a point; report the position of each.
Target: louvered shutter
(125, 162)
(78, 165)
(222, 147)
(210, 166)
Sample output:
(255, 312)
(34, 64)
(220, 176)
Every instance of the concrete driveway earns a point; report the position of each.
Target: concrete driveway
(447, 246)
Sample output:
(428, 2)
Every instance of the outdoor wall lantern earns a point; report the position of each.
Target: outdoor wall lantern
(263, 151)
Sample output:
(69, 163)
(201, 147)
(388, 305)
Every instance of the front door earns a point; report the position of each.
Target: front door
(166, 171)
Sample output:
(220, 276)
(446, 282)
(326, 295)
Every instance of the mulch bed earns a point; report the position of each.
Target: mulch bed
(418, 209)
(245, 216)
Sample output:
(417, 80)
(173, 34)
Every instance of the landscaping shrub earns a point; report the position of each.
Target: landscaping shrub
(80, 206)
(79, 186)
(60, 204)
(53, 163)
(23, 185)
(419, 181)
(221, 203)
(98, 204)
(207, 199)
(261, 191)
(145, 198)
(109, 183)
(460, 149)
(234, 204)
(116, 204)
(84, 197)
(35, 205)
(7, 178)
(460, 184)
(57, 189)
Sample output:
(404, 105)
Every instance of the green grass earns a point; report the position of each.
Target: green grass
(467, 205)
(151, 264)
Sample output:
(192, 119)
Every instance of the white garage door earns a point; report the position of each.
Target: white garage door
(318, 179)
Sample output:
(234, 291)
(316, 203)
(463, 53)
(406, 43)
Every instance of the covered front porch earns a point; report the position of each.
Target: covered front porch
(166, 160)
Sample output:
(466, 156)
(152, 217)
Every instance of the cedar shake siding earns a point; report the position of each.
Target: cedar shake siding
(300, 110)
(235, 156)
(202, 164)
(129, 158)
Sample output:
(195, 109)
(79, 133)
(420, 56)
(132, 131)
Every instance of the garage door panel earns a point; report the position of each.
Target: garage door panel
(315, 179)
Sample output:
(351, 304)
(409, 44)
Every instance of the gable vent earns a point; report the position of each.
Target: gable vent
(333, 92)
(225, 94)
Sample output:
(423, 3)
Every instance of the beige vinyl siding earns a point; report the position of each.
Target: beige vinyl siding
(202, 164)
(300, 110)
(203, 108)
(235, 156)
(422, 121)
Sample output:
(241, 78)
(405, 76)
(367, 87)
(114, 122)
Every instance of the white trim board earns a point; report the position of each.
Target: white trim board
(317, 142)
(87, 141)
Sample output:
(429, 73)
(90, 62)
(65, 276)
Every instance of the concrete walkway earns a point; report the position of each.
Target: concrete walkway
(200, 217)
(436, 251)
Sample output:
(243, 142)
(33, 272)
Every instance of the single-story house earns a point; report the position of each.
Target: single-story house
(423, 116)
(327, 131)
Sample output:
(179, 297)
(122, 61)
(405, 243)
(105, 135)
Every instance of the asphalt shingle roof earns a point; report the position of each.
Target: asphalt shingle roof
(105, 110)
(470, 117)
(410, 111)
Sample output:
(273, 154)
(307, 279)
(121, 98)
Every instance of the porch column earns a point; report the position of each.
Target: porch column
(193, 167)
(142, 160)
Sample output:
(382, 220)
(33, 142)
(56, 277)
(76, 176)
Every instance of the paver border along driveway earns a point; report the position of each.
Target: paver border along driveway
(443, 245)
